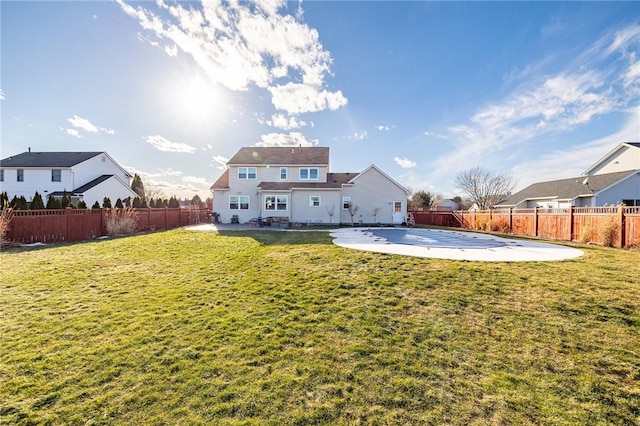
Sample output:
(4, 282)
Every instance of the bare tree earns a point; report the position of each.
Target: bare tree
(375, 212)
(485, 187)
(331, 211)
(352, 209)
(423, 198)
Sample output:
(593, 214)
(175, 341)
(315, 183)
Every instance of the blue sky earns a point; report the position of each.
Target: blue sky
(421, 89)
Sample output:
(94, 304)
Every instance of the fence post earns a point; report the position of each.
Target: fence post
(621, 214)
(535, 222)
(571, 226)
(67, 212)
(511, 219)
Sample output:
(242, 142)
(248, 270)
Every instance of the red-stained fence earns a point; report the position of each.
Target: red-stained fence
(29, 226)
(615, 226)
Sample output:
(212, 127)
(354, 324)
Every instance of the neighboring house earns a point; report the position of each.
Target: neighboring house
(447, 204)
(612, 180)
(88, 176)
(296, 184)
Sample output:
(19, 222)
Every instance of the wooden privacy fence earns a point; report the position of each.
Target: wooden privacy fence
(29, 226)
(612, 226)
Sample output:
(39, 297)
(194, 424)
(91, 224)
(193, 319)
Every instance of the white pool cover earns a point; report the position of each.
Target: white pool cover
(455, 245)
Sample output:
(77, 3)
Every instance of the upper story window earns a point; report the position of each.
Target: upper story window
(20, 175)
(309, 173)
(247, 172)
(1, 175)
(283, 173)
(56, 175)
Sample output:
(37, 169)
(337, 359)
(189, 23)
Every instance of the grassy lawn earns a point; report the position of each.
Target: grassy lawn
(285, 328)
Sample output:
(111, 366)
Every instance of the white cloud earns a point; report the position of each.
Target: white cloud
(239, 45)
(359, 136)
(285, 123)
(222, 161)
(73, 132)
(171, 172)
(163, 144)
(87, 126)
(405, 163)
(194, 180)
(383, 128)
(281, 139)
(1, 95)
(623, 38)
(82, 123)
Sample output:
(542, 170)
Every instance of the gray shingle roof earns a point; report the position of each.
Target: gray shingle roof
(281, 156)
(334, 181)
(566, 189)
(47, 159)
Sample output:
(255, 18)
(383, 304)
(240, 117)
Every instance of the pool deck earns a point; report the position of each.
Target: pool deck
(496, 249)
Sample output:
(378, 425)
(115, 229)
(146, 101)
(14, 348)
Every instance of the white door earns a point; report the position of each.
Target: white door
(398, 217)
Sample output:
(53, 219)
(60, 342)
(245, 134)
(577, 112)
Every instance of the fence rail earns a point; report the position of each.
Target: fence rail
(612, 226)
(30, 226)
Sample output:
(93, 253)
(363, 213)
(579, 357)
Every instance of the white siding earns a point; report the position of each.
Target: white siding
(95, 167)
(627, 158)
(302, 212)
(372, 190)
(35, 180)
(112, 188)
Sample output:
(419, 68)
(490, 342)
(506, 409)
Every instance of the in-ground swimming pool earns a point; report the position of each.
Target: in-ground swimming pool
(439, 238)
(446, 244)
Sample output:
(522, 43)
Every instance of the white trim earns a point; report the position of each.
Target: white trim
(607, 156)
(373, 166)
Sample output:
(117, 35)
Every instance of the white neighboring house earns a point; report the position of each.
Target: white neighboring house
(296, 184)
(88, 176)
(612, 180)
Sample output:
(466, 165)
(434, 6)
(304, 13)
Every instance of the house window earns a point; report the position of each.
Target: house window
(239, 202)
(283, 173)
(56, 175)
(276, 202)
(1, 175)
(314, 201)
(397, 206)
(309, 173)
(20, 175)
(247, 172)
(631, 203)
(346, 202)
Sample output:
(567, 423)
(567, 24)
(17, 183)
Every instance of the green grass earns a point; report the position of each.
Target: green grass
(285, 328)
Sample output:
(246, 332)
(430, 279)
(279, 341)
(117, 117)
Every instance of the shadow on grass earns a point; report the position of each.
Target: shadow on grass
(271, 238)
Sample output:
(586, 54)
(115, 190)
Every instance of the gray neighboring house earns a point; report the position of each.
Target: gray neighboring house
(612, 180)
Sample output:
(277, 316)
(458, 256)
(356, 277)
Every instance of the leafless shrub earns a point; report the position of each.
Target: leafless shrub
(586, 234)
(121, 221)
(5, 218)
(608, 233)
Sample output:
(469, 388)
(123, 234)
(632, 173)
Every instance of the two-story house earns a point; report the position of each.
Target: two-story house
(297, 185)
(88, 176)
(612, 180)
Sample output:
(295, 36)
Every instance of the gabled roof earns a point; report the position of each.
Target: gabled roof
(222, 182)
(334, 181)
(567, 189)
(281, 156)
(610, 154)
(374, 167)
(87, 186)
(47, 159)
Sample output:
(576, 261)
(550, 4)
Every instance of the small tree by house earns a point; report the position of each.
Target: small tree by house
(96, 205)
(82, 205)
(174, 202)
(106, 202)
(137, 203)
(53, 203)
(4, 200)
(19, 203)
(138, 186)
(119, 204)
(66, 199)
(353, 209)
(331, 211)
(36, 202)
(375, 212)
